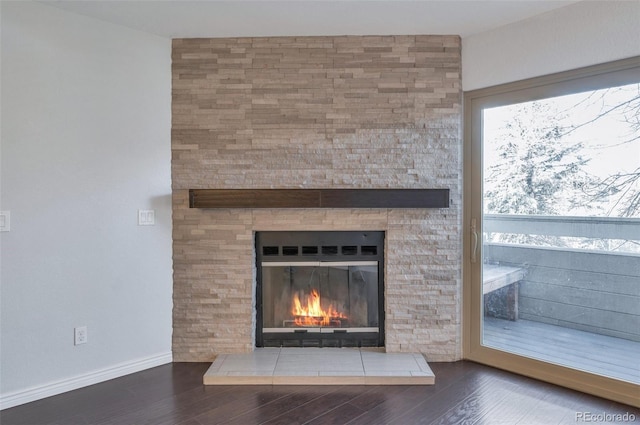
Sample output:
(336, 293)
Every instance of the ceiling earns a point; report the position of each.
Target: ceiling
(238, 18)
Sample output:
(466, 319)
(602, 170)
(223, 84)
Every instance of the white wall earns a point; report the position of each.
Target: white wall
(581, 34)
(85, 144)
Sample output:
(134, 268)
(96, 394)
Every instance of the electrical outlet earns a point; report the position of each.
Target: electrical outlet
(5, 221)
(80, 335)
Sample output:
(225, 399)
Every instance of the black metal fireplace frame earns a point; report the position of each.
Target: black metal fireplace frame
(323, 246)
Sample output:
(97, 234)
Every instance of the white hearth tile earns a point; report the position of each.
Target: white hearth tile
(424, 366)
(244, 367)
(283, 364)
(319, 380)
(293, 372)
(375, 372)
(316, 368)
(217, 363)
(249, 362)
(390, 362)
(249, 373)
(319, 366)
(342, 373)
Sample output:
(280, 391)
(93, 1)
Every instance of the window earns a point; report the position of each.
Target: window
(552, 195)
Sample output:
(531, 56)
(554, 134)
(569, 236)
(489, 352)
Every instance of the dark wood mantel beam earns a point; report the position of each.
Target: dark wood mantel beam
(318, 198)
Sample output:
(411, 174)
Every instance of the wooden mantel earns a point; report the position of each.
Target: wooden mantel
(318, 198)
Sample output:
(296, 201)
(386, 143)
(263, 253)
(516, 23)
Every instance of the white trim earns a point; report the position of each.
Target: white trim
(17, 398)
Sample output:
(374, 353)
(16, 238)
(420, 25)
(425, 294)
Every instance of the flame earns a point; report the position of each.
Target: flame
(312, 314)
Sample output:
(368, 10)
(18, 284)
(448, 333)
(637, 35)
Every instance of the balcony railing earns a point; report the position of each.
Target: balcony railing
(591, 290)
(587, 227)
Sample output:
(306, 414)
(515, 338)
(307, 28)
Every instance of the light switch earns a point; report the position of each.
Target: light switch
(5, 221)
(146, 217)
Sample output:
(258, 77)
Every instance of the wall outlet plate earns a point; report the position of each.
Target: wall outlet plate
(5, 221)
(80, 335)
(146, 217)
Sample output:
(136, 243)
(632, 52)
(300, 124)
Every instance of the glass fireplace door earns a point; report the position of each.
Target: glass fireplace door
(319, 289)
(320, 297)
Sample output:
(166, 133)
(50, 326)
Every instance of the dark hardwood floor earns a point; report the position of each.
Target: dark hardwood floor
(465, 392)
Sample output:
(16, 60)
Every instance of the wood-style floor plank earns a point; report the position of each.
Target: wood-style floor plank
(173, 394)
(307, 412)
(420, 407)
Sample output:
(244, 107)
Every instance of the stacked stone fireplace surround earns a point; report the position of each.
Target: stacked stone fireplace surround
(316, 112)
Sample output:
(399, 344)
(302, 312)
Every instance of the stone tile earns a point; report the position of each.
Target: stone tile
(344, 367)
(285, 112)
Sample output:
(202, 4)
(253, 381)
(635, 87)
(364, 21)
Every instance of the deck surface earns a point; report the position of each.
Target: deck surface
(600, 354)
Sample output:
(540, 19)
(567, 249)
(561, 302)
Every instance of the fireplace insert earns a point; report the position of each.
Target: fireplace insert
(320, 289)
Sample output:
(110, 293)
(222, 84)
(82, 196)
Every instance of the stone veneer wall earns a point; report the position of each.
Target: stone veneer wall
(316, 112)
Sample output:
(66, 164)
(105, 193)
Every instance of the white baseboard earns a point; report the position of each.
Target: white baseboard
(17, 398)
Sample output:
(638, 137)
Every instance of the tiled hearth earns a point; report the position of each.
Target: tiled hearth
(319, 366)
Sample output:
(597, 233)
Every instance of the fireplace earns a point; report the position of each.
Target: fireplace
(320, 289)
